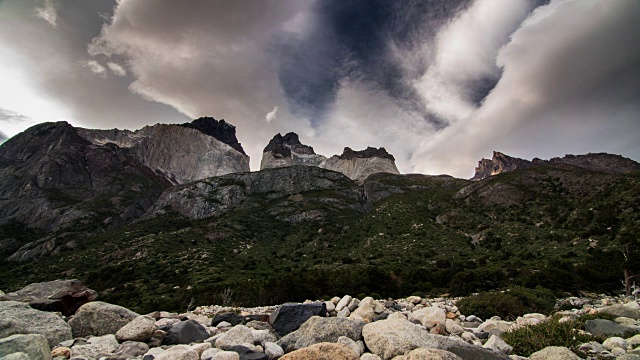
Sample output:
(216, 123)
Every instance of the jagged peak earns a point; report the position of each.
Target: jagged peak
(219, 129)
(498, 163)
(369, 152)
(283, 145)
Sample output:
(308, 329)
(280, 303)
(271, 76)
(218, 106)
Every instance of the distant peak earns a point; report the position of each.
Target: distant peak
(369, 152)
(289, 139)
(499, 163)
(221, 130)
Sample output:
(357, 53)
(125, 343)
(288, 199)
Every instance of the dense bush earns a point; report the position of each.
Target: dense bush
(529, 339)
(509, 304)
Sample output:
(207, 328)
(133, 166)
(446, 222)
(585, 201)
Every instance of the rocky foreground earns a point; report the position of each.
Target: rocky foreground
(60, 320)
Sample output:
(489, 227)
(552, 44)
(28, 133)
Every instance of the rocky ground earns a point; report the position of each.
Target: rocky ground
(341, 328)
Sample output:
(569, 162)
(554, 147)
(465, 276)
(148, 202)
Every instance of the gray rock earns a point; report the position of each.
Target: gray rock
(353, 305)
(263, 336)
(554, 353)
(628, 357)
(180, 352)
(344, 302)
(20, 318)
(273, 350)
(615, 342)
(99, 318)
(33, 346)
(344, 313)
(185, 332)
(238, 335)
(356, 346)
(138, 329)
(431, 354)
(132, 348)
(365, 313)
(288, 317)
(369, 356)
(392, 337)
(496, 343)
(209, 353)
(319, 329)
(97, 347)
(602, 327)
(429, 316)
(620, 310)
(65, 296)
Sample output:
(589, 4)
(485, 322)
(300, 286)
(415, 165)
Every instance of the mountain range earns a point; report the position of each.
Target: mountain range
(170, 213)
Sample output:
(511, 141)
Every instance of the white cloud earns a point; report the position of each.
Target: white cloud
(95, 67)
(570, 84)
(116, 69)
(271, 115)
(48, 13)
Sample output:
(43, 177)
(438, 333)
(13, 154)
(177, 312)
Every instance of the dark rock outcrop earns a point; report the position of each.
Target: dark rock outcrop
(220, 130)
(499, 163)
(287, 150)
(65, 296)
(358, 165)
(289, 317)
(185, 332)
(369, 152)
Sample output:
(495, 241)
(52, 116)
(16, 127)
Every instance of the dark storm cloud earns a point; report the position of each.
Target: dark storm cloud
(356, 40)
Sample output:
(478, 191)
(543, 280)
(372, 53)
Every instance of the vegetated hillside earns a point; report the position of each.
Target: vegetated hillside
(553, 225)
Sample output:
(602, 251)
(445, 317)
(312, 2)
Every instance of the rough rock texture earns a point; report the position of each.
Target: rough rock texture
(65, 296)
(431, 354)
(620, 310)
(392, 337)
(138, 329)
(322, 351)
(499, 163)
(217, 196)
(99, 318)
(35, 346)
(554, 353)
(238, 335)
(602, 327)
(608, 163)
(20, 318)
(96, 347)
(358, 165)
(178, 153)
(52, 179)
(287, 150)
(220, 130)
(289, 317)
(320, 329)
(185, 332)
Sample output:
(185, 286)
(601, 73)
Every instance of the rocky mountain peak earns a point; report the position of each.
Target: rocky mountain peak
(287, 150)
(599, 162)
(369, 152)
(221, 130)
(499, 163)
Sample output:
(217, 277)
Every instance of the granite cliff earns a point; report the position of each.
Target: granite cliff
(358, 165)
(180, 153)
(287, 150)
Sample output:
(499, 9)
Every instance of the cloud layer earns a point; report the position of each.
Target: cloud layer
(439, 83)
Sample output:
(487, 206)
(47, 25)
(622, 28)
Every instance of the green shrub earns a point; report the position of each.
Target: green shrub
(529, 339)
(509, 304)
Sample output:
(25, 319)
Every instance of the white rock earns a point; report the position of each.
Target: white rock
(554, 353)
(96, 346)
(344, 302)
(370, 356)
(397, 315)
(367, 302)
(330, 306)
(138, 329)
(453, 327)
(365, 313)
(414, 299)
(357, 348)
(634, 341)
(223, 324)
(353, 304)
(344, 313)
(273, 350)
(378, 307)
(200, 348)
(335, 300)
(33, 346)
(495, 343)
(540, 317)
(615, 342)
(618, 351)
(226, 355)
(429, 316)
(238, 335)
(209, 353)
(263, 336)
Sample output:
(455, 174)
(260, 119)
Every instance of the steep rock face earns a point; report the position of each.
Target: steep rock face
(287, 150)
(217, 196)
(599, 162)
(604, 162)
(358, 165)
(53, 179)
(499, 163)
(180, 153)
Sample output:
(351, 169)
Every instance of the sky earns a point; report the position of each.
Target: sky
(439, 83)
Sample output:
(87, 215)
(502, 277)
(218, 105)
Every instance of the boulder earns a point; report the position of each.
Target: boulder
(20, 318)
(132, 348)
(344, 302)
(356, 346)
(65, 296)
(554, 353)
(273, 350)
(98, 346)
(180, 352)
(431, 354)
(320, 329)
(139, 329)
(33, 346)
(369, 356)
(496, 343)
(238, 335)
(429, 316)
(615, 342)
(209, 353)
(290, 316)
(185, 332)
(495, 327)
(392, 337)
(263, 336)
(602, 327)
(98, 318)
(230, 317)
(226, 355)
(322, 351)
(620, 310)
(365, 313)
(61, 351)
